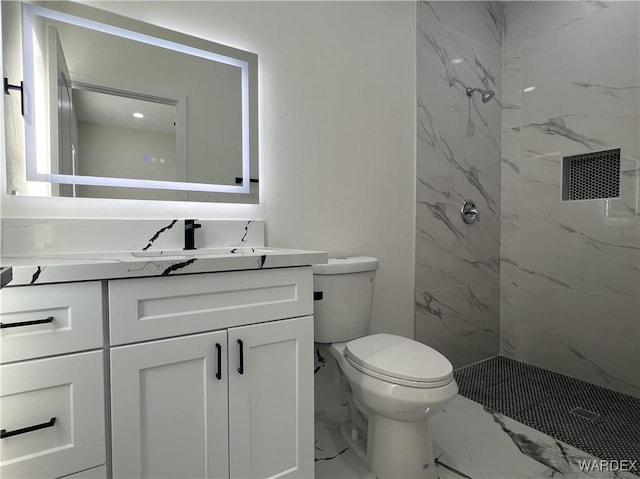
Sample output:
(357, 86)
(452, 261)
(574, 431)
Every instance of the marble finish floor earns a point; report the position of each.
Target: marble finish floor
(594, 419)
(470, 441)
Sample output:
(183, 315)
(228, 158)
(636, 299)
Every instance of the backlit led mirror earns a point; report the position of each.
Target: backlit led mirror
(116, 108)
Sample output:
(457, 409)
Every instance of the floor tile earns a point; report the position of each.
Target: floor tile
(470, 441)
(544, 400)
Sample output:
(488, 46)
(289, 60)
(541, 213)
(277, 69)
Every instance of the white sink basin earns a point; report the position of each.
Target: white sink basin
(229, 250)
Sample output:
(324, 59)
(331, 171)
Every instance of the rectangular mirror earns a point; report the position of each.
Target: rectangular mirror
(115, 108)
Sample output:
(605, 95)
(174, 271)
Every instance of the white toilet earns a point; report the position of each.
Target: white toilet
(392, 384)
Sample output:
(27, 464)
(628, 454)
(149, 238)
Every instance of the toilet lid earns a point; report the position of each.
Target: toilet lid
(399, 357)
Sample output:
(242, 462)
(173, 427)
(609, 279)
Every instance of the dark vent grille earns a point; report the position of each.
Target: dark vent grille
(591, 176)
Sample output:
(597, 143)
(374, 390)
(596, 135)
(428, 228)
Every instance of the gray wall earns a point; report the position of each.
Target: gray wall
(458, 157)
(570, 271)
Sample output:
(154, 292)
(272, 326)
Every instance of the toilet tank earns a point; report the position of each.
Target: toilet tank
(344, 310)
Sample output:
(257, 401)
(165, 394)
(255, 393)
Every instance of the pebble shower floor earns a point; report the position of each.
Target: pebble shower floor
(597, 420)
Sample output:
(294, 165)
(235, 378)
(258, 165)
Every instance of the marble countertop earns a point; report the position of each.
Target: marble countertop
(66, 267)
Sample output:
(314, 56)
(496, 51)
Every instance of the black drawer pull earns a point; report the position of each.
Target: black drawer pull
(27, 323)
(241, 368)
(50, 423)
(219, 373)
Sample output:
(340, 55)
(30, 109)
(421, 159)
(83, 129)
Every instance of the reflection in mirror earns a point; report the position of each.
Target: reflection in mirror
(119, 137)
(131, 110)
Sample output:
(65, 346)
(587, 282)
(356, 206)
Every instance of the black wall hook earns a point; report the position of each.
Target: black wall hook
(7, 89)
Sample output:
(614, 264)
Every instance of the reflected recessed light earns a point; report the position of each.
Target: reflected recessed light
(528, 89)
(138, 115)
(455, 61)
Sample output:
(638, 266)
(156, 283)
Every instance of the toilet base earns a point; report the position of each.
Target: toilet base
(393, 449)
(357, 443)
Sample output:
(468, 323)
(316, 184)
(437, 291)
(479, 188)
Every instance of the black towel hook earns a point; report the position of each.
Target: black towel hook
(8, 87)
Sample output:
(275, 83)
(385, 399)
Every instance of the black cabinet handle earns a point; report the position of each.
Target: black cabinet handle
(4, 433)
(241, 368)
(219, 373)
(27, 323)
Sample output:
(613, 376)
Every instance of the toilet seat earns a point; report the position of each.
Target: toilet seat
(399, 360)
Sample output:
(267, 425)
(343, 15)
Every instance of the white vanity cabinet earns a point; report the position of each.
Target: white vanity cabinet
(52, 381)
(211, 375)
(271, 401)
(168, 409)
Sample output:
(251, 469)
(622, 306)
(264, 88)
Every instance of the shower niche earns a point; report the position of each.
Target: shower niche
(591, 176)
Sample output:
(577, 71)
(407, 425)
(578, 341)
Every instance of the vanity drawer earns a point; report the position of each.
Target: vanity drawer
(50, 319)
(68, 388)
(152, 308)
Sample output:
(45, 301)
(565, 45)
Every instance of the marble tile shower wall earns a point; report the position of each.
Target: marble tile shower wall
(458, 157)
(570, 270)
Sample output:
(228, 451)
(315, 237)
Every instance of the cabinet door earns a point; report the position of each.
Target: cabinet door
(271, 400)
(169, 409)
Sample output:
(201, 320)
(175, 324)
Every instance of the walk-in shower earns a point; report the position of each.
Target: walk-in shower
(549, 276)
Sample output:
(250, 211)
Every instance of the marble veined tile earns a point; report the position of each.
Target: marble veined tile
(512, 33)
(584, 99)
(628, 205)
(511, 323)
(484, 21)
(452, 171)
(569, 134)
(478, 442)
(539, 18)
(470, 441)
(591, 336)
(449, 60)
(444, 71)
(459, 45)
(461, 323)
(552, 254)
(458, 142)
(333, 457)
(450, 252)
(565, 81)
(574, 244)
(511, 94)
(450, 166)
(570, 270)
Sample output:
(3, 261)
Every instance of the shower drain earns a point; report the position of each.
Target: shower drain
(585, 414)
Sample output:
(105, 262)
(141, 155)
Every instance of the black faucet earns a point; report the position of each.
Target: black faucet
(190, 227)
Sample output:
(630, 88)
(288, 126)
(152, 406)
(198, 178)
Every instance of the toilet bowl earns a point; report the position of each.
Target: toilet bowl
(398, 443)
(392, 385)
